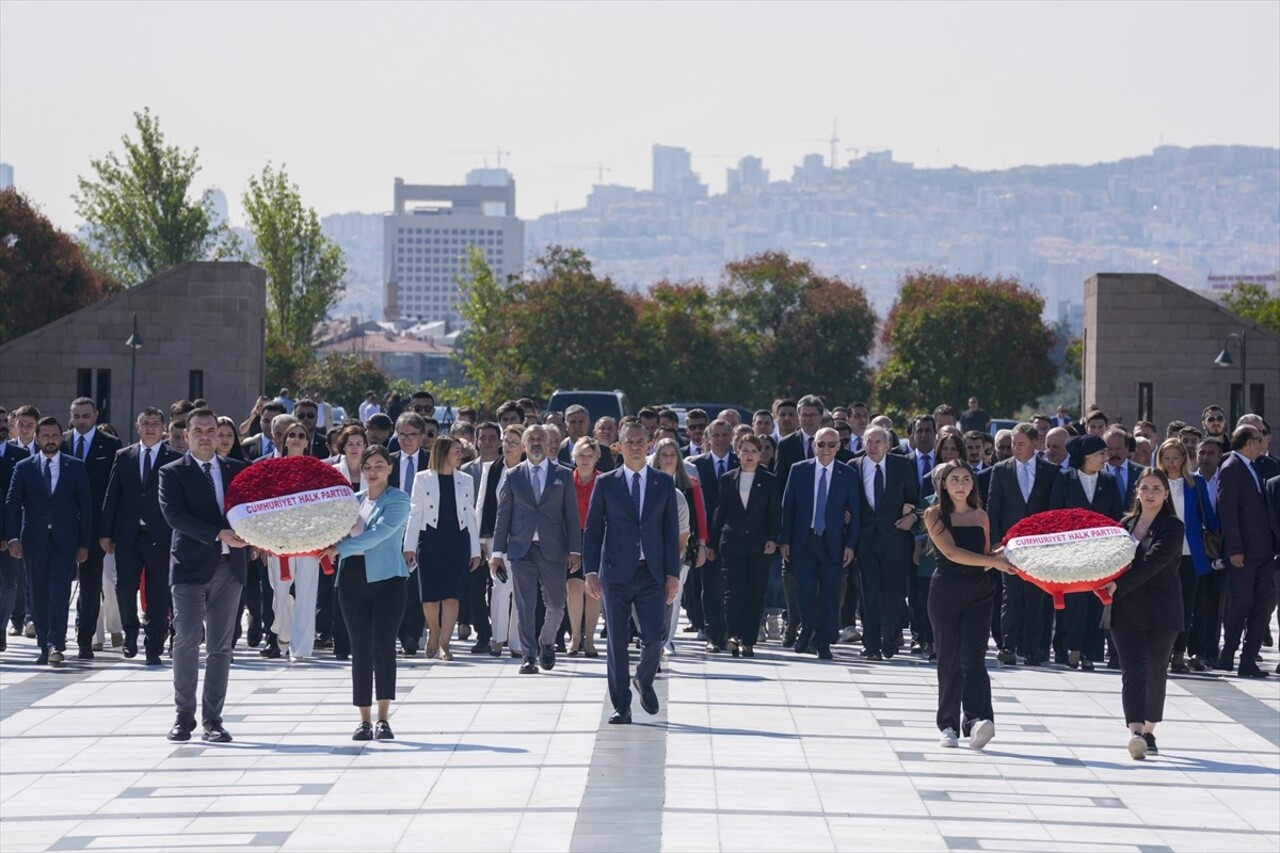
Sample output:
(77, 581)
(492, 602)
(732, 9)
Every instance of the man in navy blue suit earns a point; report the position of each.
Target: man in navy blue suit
(631, 548)
(821, 494)
(49, 519)
(133, 528)
(207, 572)
(1248, 551)
(712, 465)
(11, 584)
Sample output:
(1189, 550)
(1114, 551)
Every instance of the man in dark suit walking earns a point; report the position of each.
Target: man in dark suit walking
(1119, 447)
(1020, 486)
(821, 494)
(631, 547)
(796, 447)
(49, 522)
(207, 575)
(890, 492)
(133, 528)
(538, 532)
(12, 583)
(97, 451)
(1248, 551)
(711, 466)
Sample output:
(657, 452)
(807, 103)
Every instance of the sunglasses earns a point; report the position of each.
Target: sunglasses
(424, 408)
(306, 417)
(1215, 420)
(827, 445)
(428, 435)
(301, 435)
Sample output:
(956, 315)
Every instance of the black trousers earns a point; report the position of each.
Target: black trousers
(478, 604)
(1251, 591)
(413, 620)
(1144, 669)
(1084, 626)
(89, 602)
(691, 599)
(744, 579)
(132, 558)
(920, 621)
(960, 604)
(1206, 615)
(259, 601)
(713, 602)
(324, 608)
(881, 587)
(372, 613)
(1022, 613)
(1187, 577)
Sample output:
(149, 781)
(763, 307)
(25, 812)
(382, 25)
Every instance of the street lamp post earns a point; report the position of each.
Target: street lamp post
(134, 343)
(1224, 360)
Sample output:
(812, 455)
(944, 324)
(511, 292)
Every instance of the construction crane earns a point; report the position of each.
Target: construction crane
(499, 152)
(834, 142)
(600, 169)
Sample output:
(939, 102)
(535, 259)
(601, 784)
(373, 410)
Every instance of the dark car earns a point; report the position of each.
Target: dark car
(712, 409)
(598, 404)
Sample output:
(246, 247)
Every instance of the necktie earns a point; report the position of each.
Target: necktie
(928, 466)
(721, 467)
(635, 491)
(1024, 481)
(408, 476)
(1120, 472)
(820, 506)
(48, 476)
(808, 447)
(877, 487)
(80, 448)
(1257, 480)
(534, 471)
(857, 444)
(208, 475)
(146, 466)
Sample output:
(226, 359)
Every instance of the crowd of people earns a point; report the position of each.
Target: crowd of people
(808, 527)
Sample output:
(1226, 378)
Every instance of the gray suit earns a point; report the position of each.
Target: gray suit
(554, 519)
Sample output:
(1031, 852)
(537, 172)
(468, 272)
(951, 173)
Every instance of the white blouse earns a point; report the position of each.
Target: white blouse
(1176, 487)
(744, 486)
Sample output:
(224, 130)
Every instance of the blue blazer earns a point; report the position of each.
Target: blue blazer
(612, 539)
(129, 500)
(382, 539)
(1198, 515)
(30, 511)
(10, 456)
(190, 507)
(842, 496)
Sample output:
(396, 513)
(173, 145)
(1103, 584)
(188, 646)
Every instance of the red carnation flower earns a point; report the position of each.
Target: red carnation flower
(288, 475)
(1069, 550)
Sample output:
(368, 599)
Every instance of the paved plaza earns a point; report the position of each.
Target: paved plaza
(781, 752)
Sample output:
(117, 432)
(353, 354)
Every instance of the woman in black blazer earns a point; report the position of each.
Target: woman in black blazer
(1086, 485)
(745, 535)
(1146, 615)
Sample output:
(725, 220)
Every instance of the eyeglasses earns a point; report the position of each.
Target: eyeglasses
(404, 435)
(827, 445)
(301, 435)
(695, 427)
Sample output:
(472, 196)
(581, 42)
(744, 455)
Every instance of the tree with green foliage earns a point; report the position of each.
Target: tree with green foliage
(1254, 303)
(484, 349)
(344, 378)
(141, 218)
(684, 352)
(805, 332)
(43, 274)
(952, 337)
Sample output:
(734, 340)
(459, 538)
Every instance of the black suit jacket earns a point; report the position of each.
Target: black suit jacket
(740, 530)
(10, 455)
(1268, 466)
(129, 500)
(1005, 506)
(192, 510)
(901, 486)
(1068, 493)
(709, 480)
(1134, 470)
(1148, 596)
(97, 464)
(790, 451)
(1272, 489)
(1242, 511)
(421, 464)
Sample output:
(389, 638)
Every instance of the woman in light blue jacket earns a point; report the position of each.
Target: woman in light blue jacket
(371, 578)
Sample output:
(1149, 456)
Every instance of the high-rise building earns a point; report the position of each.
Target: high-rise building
(221, 210)
(426, 237)
(6, 176)
(750, 175)
(673, 173)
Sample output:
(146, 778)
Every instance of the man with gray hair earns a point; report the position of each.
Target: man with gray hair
(538, 532)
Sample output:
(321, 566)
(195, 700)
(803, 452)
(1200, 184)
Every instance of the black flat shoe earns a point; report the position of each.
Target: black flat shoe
(382, 731)
(85, 653)
(153, 659)
(748, 651)
(620, 718)
(1151, 743)
(648, 696)
(130, 648)
(825, 654)
(876, 656)
(364, 731)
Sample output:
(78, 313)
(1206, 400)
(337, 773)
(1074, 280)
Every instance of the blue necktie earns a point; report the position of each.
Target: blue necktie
(877, 487)
(635, 492)
(48, 476)
(820, 507)
(720, 468)
(536, 483)
(80, 448)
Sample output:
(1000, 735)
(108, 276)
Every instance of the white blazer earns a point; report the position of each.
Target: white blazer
(341, 467)
(425, 508)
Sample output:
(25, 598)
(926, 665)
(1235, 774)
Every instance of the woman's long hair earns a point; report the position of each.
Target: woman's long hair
(682, 476)
(945, 504)
(1175, 443)
(1166, 508)
(237, 452)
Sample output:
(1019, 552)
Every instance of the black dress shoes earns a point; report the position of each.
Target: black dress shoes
(131, 645)
(272, 651)
(802, 642)
(364, 731)
(480, 647)
(620, 718)
(889, 651)
(85, 653)
(648, 696)
(382, 731)
(1251, 671)
(153, 658)
(183, 726)
(43, 657)
(824, 654)
(547, 658)
(215, 733)
(1226, 663)
(529, 667)
(871, 654)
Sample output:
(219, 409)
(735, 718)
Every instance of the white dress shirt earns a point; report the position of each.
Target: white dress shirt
(869, 479)
(1090, 484)
(744, 486)
(88, 442)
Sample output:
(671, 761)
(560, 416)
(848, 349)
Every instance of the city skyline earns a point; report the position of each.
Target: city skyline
(568, 101)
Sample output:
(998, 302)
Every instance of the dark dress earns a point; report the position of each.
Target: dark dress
(960, 603)
(444, 552)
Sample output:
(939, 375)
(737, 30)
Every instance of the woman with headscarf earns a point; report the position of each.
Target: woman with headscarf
(1086, 485)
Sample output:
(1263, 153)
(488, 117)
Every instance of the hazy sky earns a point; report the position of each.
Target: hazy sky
(351, 95)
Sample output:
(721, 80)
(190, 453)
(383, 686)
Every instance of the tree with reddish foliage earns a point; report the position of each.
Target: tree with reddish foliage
(806, 333)
(953, 337)
(43, 273)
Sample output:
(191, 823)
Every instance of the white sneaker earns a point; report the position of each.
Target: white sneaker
(981, 734)
(1137, 747)
(949, 738)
